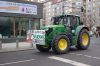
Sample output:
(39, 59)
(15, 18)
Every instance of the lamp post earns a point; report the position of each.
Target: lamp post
(63, 7)
(0, 41)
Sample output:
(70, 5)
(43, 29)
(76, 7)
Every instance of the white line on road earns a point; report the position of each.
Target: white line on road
(16, 62)
(75, 63)
(98, 58)
(72, 53)
(88, 56)
(79, 54)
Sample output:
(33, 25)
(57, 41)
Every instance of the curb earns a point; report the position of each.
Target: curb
(15, 50)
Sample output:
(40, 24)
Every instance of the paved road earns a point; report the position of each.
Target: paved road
(90, 57)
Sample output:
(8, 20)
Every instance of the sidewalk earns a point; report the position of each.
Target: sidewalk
(26, 45)
(14, 47)
(95, 40)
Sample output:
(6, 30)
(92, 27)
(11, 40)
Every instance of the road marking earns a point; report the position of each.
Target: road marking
(71, 53)
(88, 56)
(16, 62)
(79, 54)
(75, 63)
(98, 58)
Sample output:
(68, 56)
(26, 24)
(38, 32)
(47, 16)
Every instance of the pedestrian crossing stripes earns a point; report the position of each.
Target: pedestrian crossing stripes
(75, 63)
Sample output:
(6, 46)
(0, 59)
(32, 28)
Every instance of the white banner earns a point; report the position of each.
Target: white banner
(13, 7)
(38, 37)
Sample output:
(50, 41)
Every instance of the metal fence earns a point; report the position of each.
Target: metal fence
(17, 44)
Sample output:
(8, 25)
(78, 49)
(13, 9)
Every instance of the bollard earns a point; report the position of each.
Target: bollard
(0, 44)
(17, 43)
(0, 41)
(31, 44)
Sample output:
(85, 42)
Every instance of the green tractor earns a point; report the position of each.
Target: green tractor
(66, 31)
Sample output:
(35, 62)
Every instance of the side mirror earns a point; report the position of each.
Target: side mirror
(81, 23)
(65, 25)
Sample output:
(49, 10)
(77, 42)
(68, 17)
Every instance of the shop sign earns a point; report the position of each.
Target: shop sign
(21, 8)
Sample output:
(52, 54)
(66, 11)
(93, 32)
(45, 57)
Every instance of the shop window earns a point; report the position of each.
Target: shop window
(11, 27)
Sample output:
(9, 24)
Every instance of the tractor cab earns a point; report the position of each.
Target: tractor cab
(66, 20)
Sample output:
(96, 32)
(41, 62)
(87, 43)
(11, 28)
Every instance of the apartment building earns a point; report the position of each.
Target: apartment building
(93, 13)
(96, 12)
(40, 1)
(58, 7)
(47, 12)
(89, 10)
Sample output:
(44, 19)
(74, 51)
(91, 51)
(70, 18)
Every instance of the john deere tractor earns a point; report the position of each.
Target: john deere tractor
(66, 31)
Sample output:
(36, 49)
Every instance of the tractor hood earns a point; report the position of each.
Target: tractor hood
(54, 29)
(52, 26)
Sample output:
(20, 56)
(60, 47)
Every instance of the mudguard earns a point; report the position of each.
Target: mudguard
(77, 31)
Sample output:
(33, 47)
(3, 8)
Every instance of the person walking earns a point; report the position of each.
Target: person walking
(97, 33)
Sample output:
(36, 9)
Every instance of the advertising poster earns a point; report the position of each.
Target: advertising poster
(21, 8)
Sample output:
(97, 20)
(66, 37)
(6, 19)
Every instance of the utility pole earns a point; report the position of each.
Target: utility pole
(63, 7)
(83, 12)
(14, 27)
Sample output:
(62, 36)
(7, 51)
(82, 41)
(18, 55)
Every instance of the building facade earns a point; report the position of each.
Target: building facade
(93, 12)
(96, 12)
(89, 10)
(17, 17)
(58, 7)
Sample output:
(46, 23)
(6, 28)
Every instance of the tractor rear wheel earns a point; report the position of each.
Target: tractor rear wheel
(83, 40)
(42, 48)
(60, 44)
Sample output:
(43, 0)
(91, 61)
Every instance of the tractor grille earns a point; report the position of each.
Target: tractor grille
(49, 31)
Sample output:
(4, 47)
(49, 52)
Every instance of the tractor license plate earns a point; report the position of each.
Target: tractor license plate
(38, 37)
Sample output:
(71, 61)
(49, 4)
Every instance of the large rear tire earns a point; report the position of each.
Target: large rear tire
(60, 45)
(83, 40)
(42, 48)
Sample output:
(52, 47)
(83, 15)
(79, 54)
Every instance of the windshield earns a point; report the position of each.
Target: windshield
(57, 20)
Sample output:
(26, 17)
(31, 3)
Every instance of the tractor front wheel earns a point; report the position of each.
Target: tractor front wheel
(60, 44)
(83, 40)
(42, 48)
